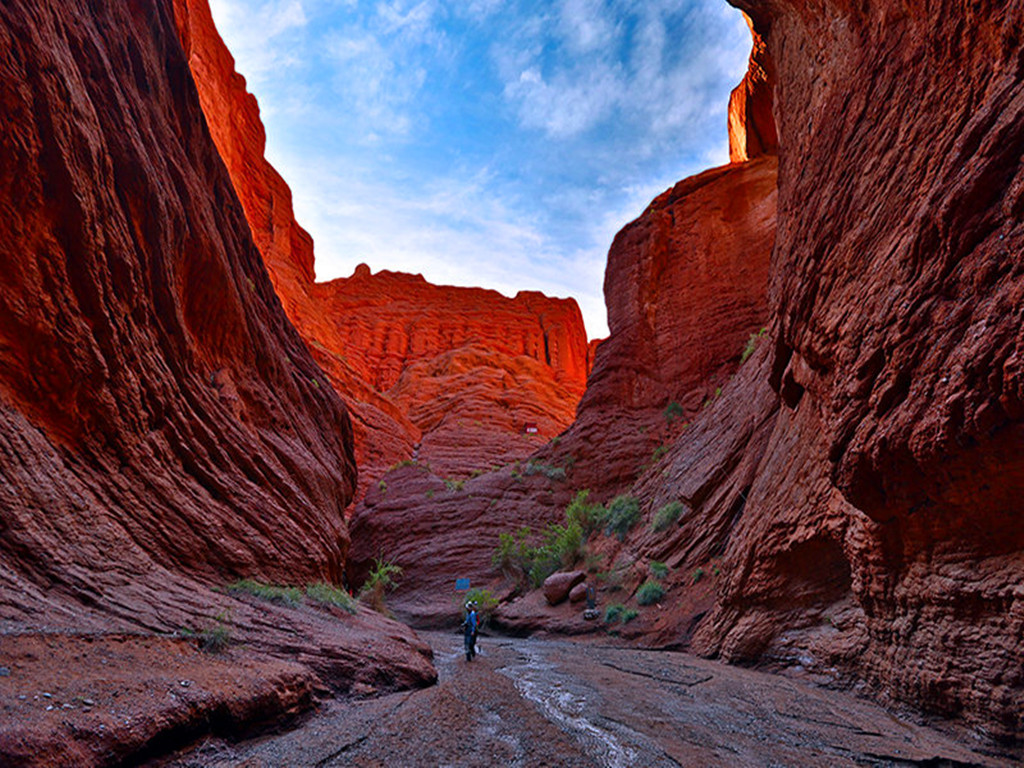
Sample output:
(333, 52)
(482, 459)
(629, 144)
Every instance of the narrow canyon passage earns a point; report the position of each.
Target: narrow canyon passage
(528, 702)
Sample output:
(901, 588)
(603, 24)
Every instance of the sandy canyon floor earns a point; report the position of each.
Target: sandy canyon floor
(530, 702)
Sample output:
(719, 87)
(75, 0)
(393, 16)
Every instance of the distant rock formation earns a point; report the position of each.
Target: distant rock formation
(451, 375)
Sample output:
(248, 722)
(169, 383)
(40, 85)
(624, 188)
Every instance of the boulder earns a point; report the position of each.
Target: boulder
(578, 593)
(558, 585)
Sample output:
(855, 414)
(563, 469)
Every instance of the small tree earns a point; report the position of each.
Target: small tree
(382, 579)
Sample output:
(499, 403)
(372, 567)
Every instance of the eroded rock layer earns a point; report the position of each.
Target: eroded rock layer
(861, 510)
(163, 428)
(850, 500)
(686, 286)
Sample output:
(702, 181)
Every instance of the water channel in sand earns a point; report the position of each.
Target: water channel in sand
(530, 703)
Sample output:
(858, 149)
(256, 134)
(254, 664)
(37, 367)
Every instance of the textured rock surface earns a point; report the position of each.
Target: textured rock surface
(686, 285)
(752, 132)
(851, 498)
(470, 368)
(450, 374)
(163, 429)
(858, 484)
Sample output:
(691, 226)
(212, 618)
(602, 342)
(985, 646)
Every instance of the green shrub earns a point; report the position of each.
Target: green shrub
(617, 612)
(215, 638)
(382, 579)
(291, 596)
(698, 575)
(658, 569)
(673, 411)
(590, 517)
(748, 350)
(382, 487)
(550, 472)
(328, 594)
(622, 514)
(667, 515)
(514, 554)
(613, 613)
(649, 592)
(454, 485)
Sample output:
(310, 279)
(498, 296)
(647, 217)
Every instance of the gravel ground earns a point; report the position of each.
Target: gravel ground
(556, 703)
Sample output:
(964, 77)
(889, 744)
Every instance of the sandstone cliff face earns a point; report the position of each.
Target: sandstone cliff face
(686, 285)
(163, 428)
(851, 498)
(861, 505)
(390, 343)
(470, 368)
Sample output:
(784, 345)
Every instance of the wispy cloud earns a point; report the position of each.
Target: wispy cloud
(485, 142)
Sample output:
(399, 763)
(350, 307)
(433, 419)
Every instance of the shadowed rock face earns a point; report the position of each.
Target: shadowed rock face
(686, 285)
(450, 375)
(158, 409)
(858, 483)
(163, 429)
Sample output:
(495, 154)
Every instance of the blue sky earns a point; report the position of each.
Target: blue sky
(496, 143)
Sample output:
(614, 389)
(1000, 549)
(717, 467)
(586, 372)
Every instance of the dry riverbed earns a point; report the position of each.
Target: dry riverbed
(558, 703)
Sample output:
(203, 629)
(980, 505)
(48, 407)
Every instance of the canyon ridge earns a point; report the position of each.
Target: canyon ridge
(809, 410)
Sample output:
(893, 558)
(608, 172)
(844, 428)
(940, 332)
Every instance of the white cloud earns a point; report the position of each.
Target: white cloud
(249, 29)
(586, 26)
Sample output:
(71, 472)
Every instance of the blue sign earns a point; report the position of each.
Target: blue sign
(461, 585)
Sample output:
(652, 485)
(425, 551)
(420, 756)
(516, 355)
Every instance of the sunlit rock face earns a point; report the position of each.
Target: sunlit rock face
(463, 378)
(686, 287)
(163, 428)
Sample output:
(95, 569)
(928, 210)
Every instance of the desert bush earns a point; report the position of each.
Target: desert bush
(590, 517)
(215, 638)
(617, 612)
(514, 554)
(550, 472)
(667, 515)
(748, 350)
(698, 575)
(613, 613)
(673, 411)
(291, 596)
(649, 592)
(622, 514)
(658, 569)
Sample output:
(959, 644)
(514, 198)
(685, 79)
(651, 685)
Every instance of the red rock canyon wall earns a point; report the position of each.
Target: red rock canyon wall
(163, 429)
(858, 485)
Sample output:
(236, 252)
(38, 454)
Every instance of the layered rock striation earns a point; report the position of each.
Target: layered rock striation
(856, 487)
(163, 428)
(848, 502)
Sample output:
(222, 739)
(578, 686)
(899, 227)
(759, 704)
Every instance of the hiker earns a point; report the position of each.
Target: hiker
(469, 628)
